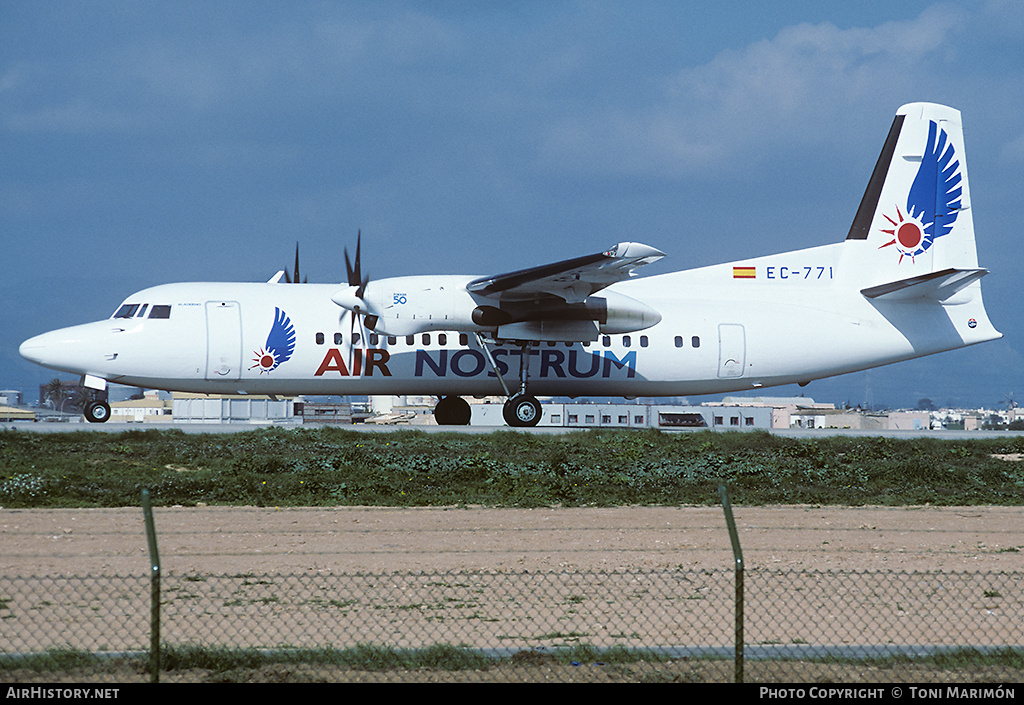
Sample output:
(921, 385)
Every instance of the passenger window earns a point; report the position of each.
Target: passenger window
(426, 338)
(626, 341)
(160, 311)
(374, 339)
(442, 339)
(463, 339)
(643, 341)
(319, 338)
(679, 341)
(606, 341)
(410, 340)
(338, 339)
(392, 340)
(695, 341)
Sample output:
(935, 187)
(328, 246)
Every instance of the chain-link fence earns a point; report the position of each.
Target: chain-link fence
(657, 625)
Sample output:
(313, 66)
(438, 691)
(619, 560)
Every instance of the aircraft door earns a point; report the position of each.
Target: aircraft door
(223, 340)
(732, 350)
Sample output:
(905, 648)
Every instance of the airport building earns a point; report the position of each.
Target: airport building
(150, 408)
(730, 413)
(635, 416)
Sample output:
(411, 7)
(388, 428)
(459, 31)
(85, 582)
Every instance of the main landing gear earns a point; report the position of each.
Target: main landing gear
(452, 411)
(520, 410)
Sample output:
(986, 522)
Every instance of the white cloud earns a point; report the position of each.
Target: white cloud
(79, 116)
(803, 87)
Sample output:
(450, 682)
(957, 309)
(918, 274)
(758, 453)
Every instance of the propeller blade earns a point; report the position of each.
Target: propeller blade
(354, 272)
(295, 279)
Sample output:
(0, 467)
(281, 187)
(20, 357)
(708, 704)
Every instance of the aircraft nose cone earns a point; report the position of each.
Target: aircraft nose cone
(67, 349)
(34, 349)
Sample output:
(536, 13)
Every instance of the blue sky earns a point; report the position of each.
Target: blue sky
(148, 142)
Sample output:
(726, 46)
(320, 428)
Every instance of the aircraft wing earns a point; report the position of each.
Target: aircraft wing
(572, 280)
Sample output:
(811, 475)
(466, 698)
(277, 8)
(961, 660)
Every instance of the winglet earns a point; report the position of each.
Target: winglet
(636, 253)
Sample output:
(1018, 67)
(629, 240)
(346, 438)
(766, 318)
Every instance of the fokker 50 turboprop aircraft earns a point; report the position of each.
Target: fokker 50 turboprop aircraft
(904, 283)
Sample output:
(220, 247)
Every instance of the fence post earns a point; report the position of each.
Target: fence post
(737, 553)
(154, 591)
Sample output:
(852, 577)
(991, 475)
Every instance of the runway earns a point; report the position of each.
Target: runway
(115, 427)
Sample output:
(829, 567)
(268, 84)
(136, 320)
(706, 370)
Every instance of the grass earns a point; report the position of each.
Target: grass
(336, 467)
(443, 657)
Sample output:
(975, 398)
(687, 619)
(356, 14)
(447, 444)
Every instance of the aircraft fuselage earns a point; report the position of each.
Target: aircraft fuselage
(904, 283)
(769, 321)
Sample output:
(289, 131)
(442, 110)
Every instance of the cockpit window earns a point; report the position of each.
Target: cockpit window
(139, 311)
(126, 311)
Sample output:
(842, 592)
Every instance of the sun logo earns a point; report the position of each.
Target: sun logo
(908, 235)
(280, 344)
(934, 199)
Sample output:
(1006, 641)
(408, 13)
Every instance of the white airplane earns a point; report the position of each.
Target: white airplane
(903, 284)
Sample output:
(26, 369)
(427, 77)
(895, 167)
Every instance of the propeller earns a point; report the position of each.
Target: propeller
(351, 298)
(296, 280)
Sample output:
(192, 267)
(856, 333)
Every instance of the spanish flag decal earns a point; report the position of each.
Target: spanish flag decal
(744, 272)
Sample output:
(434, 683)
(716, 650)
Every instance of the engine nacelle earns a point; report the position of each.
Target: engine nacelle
(408, 305)
(624, 314)
(556, 320)
(402, 306)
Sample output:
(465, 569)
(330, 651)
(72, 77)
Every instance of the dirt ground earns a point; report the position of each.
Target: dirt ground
(344, 539)
(260, 541)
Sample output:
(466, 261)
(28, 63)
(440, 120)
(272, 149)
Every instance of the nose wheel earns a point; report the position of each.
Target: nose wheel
(97, 411)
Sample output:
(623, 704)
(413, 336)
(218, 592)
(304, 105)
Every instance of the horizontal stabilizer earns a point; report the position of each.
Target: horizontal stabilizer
(936, 285)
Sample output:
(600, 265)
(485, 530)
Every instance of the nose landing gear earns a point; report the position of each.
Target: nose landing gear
(97, 411)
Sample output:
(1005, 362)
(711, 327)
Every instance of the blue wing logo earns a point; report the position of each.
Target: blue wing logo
(933, 203)
(280, 344)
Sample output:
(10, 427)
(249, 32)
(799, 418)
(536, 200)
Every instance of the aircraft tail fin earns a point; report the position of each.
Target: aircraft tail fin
(915, 217)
